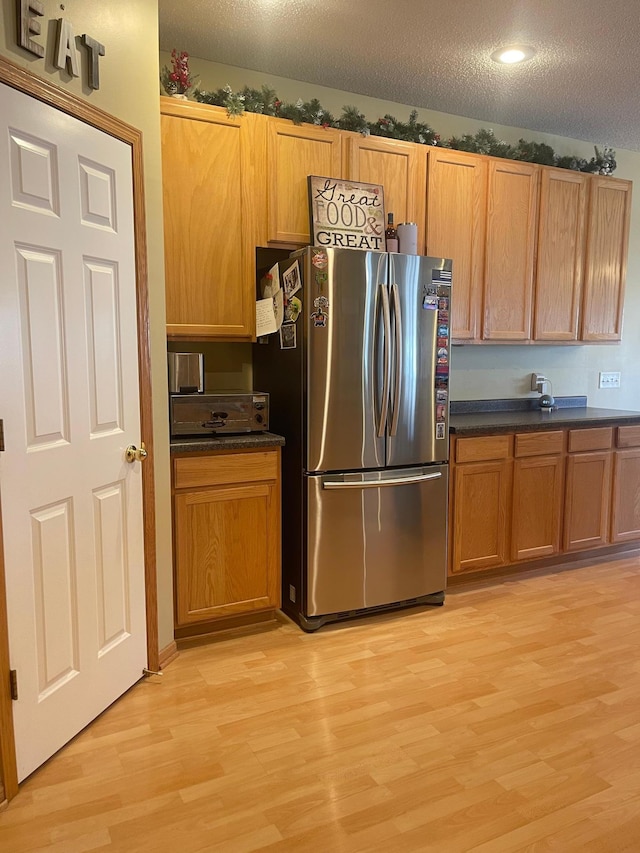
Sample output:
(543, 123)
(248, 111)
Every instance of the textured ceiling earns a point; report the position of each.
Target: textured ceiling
(583, 83)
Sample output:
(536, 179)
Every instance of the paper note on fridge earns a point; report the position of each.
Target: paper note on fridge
(270, 284)
(269, 314)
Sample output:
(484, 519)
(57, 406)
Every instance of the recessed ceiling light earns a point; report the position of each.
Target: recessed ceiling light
(512, 54)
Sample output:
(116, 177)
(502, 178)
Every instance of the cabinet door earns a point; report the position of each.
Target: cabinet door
(294, 153)
(399, 167)
(510, 250)
(480, 515)
(456, 216)
(561, 236)
(625, 510)
(606, 259)
(208, 262)
(226, 551)
(587, 500)
(538, 488)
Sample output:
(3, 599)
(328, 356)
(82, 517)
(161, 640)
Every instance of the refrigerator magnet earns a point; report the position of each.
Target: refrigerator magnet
(430, 303)
(321, 303)
(292, 310)
(440, 430)
(287, 336)
(319, 319)
(443, 331)
(291, 280)
(319, 260)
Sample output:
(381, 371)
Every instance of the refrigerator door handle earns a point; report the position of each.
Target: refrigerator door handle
(377, 484)
(386, 320)
(397, 313)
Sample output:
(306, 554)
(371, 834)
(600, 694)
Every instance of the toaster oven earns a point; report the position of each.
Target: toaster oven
(219, 413)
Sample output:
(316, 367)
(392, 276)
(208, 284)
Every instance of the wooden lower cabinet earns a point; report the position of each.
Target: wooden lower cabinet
(480, 501)
(533, 495)
(625, 506)
(226, 536)
(538, 488)
(587, 500)
(588, 488)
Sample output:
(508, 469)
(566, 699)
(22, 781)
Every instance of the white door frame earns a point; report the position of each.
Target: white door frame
(24, 81)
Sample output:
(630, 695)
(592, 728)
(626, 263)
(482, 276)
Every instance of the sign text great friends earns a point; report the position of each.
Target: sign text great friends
(346, 214)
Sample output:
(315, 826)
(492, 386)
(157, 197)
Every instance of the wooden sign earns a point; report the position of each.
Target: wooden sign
(346, 214)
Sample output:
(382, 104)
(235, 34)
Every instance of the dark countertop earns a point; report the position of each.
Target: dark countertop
(484, 423)
(205, 444)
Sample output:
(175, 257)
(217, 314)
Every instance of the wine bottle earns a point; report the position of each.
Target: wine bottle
(391, 235)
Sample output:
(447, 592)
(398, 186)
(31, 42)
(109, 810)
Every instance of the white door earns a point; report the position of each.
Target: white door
(69, 398)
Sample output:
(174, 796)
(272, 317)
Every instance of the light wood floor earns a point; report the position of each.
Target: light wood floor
(507, 720)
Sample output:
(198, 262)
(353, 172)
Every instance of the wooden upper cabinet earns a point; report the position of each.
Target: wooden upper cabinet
(295, 152)
(399, 167)
(510, 250)
(208, 258)
(561, 237)
(456, 208)
(606, 259)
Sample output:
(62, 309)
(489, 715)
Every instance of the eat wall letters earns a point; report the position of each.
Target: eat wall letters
(66, 54)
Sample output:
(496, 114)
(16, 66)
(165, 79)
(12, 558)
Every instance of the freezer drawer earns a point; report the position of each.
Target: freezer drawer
(375, 538)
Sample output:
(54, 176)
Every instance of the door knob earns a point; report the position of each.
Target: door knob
(132, 453)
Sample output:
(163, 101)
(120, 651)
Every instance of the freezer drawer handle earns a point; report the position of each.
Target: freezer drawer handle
(377, 484)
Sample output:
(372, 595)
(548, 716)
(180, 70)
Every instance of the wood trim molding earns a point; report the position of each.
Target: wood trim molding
(8, 768)
(19, 78)
(168, 654)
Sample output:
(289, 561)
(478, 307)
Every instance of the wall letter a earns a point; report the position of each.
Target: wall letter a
(66, 50)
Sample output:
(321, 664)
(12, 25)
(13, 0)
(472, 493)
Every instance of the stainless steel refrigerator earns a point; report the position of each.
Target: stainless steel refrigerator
(360, 393)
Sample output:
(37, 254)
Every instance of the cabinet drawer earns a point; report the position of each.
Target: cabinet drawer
(193, 471)
(538, 443)
(629, 436)
(483, 448)
(590, 439)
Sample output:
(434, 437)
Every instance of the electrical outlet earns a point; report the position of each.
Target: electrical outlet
(609, 380)
(537, 382)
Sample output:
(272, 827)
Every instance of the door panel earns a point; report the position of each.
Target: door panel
(69, 397)
(606, 259)
(510, 250)
(412, 432)
(343, 386)
(625, 510)
(480, 515)
(370, 544)
(538, 488)
(456, 220)
(293, 153)
(587, 500)
(558, 285)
